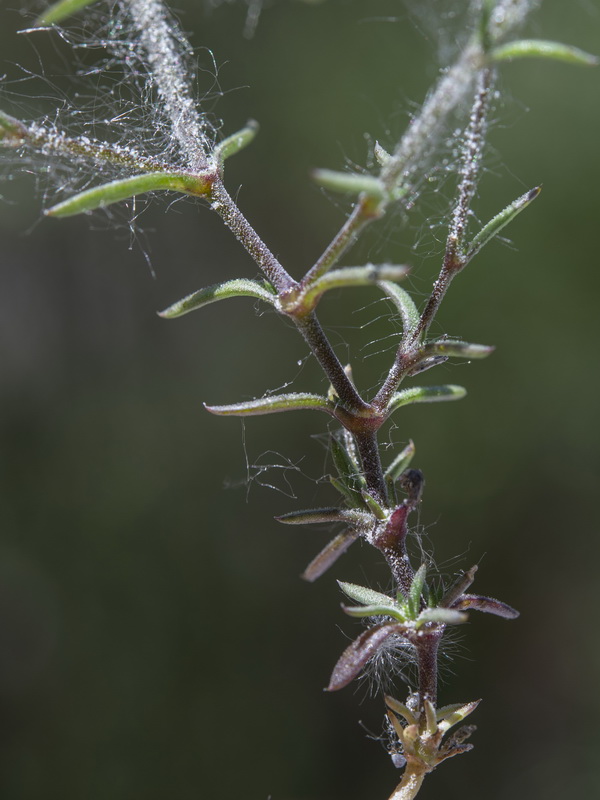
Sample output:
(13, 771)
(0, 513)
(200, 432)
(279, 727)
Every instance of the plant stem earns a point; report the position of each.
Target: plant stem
(392, 381)
(223, 204)
(425, 129)
(364, 212)
(454, 259)
(314, 335)
(412, 778)
(427, 646)
(368, 450)
(165, 51)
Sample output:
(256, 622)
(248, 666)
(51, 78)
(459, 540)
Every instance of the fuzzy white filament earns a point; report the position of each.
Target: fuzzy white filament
(165, 49)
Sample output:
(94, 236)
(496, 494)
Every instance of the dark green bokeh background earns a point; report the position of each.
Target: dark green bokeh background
(155, 640)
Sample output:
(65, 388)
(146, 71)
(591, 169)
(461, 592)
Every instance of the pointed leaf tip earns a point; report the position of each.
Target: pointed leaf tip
(60, 11)
(416, 589)
(489, 605)
(452, 715)
(273, 405)
(539, 48)
(426, 394)
(329, 555)
(457, 349)
(362, 594)
(401, 709)
(349, 183)
(219, 291)
(491, 229)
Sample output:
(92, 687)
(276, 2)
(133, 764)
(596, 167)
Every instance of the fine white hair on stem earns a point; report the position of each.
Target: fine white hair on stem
(450, 91)
(165, 49)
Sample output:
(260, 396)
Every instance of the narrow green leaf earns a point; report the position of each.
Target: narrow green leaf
(274, 405)
(378, 511)
(497, 223)
(240, 287)
(349, 183)
(426, 394)
(405, 305)
(401, 462)
(12, 131)
(539, 48)
(430, 720)
(401, 709)
(366, 596)
(425, 364)
(348, 277)
(445, 616)
(316, 516)
(350, 476)
(416, 589)
(236, 142)
(354, 499)
(329, 555)
(375, 611)
(457, 349)
(452, 718)
(399, 729)
(451, 709)
(115, 191)
(61, 10)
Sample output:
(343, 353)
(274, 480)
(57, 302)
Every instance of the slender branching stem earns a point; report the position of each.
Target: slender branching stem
(364, 212)
(472, 152)
(224, 205)
(165, 52)
(320, 346)
(454, 259)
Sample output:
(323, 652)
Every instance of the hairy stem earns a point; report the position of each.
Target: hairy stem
(472, 153)
(368, 450)
(164, 50)
(364, 212)
(425, 129)
(427, 646)
(314, 335)
(454, 259)
(237, 223)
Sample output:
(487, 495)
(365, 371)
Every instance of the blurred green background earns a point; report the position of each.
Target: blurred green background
(155, 639)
